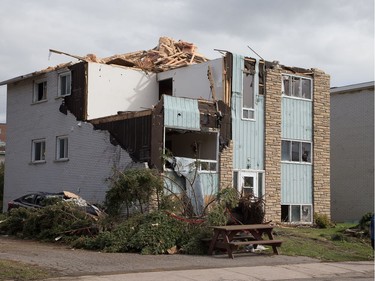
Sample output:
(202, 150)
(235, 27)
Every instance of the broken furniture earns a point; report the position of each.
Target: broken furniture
(230, 237)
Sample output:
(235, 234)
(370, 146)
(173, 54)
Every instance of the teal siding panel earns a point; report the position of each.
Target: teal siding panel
(175, 184)
(238, 66)
(296, 183)
(209, 183)
(296, 119)
(248, 135)
(181, 113)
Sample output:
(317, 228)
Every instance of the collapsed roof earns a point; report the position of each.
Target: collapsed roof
(168, 54)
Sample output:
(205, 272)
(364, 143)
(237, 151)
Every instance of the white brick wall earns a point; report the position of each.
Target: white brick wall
(91, 155)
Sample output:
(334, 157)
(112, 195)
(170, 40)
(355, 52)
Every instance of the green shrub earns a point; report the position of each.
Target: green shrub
(133, 187)
(322, 220)
(114, 240)
(152, 233)
(228, 197)
(62, 219)
(195, 240)
(364, 223)
(13, 225)
(338, 237)
(156, 233)
(217, 215)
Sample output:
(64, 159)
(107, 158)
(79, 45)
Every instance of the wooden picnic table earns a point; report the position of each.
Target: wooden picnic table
(230, 237)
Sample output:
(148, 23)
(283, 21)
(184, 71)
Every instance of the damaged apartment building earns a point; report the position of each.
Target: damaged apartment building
(231, 122)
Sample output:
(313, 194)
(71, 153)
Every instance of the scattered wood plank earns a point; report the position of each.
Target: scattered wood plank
(167, 55)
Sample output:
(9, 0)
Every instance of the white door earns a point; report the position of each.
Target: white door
(248, 183)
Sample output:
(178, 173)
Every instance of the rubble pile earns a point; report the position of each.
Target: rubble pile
(167, 55)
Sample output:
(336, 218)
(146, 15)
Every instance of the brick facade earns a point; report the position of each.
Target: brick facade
(226, 166)
(321, 150)
(272, 147)
(321, 142)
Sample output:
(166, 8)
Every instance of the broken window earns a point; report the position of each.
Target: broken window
(248, 98)
(40, 91)
(285, 150)
(166, 87)
(296, 213)
(62, 148)
(64, 87)
(200, 146)
(306, 152)
(248, 185)
(296, 151)
(38, 151)
(296, 86)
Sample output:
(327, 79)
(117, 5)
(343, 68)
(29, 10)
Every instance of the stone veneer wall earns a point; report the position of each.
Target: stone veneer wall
(226, 166)
(321, 149)
(272, 148)
(321, 141)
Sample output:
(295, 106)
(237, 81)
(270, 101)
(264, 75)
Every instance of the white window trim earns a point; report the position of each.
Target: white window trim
(33, 143)
(66, 149)
(237, 182)
(64, 74)
(300, 221)
(35, 91)
(201, 162)
(250, 110)
(294, 97)
(254, 98)
(298, 162)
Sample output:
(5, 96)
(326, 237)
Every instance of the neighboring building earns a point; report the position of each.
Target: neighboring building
(352, 151)
(3, 136)
(260, 127)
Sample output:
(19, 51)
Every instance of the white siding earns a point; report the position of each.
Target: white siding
(91, 156)
(192, 81)
(114, 88)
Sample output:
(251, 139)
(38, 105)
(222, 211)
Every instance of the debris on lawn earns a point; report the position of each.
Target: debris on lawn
(354, 232)
(172, 250)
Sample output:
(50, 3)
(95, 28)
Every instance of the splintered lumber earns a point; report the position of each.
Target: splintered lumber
(167, 55)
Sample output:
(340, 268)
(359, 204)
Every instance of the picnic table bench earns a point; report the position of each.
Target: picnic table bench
(230, 237)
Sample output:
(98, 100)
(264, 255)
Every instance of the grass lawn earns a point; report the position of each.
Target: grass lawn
(330, 244)
(12, 270)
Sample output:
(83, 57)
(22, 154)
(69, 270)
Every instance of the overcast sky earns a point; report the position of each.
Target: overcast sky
(336, 36)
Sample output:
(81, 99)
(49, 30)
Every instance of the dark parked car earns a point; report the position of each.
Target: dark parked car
(42, 199)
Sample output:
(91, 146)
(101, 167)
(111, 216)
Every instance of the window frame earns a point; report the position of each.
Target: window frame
(300, 152)
(258, 178)
(42, 153)
(36, 89)
(65, 148)
(290, 215)
(67, 86)
(244, 109)
(290, 93)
